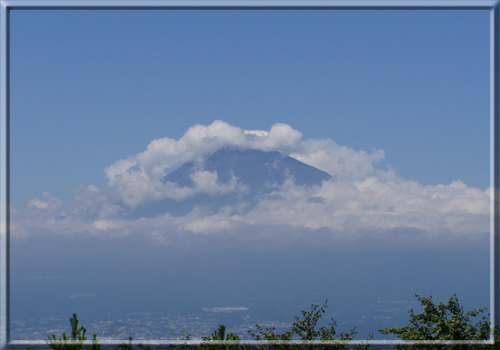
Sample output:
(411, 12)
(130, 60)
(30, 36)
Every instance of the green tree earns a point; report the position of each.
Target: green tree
(185, 336)
(75, 341)
(443, 322)
(220, 337)
(305, 329)
(78, 336)
(438, 322)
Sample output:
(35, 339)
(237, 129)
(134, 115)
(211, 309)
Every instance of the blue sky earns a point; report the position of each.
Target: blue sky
(89, 87)
(393, 104)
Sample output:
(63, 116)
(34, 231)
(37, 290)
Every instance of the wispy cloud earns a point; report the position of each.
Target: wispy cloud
(227, 309)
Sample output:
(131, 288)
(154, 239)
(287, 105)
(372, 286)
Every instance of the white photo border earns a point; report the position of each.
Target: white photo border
(7, 6)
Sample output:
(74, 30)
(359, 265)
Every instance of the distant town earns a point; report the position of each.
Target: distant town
(138, 325)
(160, 326)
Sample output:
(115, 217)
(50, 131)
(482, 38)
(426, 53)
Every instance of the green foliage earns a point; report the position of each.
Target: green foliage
(268, 334)
(438, 322)
(78, 336)
(305, 329)
(218, 339)
(185, 336)
(75, 342)
(126, 346)
(219, 334)
(443, 322)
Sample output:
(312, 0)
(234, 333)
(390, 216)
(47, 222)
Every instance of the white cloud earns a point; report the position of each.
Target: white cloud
(138, 178)
(208, 224)
(368, 204)
(225, 309)
(338, 161)
(37, 203)
(359, 198)
(105, 225)
(258, 133)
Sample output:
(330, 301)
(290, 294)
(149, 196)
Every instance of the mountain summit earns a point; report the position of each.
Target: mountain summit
(259, 170)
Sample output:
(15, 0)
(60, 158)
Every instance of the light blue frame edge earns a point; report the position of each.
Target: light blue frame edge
(492, 5)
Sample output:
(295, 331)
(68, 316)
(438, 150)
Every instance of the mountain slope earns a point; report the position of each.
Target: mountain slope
(257, 169)
(259, 172)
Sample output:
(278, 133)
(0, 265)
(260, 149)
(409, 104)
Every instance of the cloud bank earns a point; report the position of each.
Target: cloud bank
(359, 198)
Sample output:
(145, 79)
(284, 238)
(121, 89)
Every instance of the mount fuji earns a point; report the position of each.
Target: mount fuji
(258, 172)
(257, 169)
